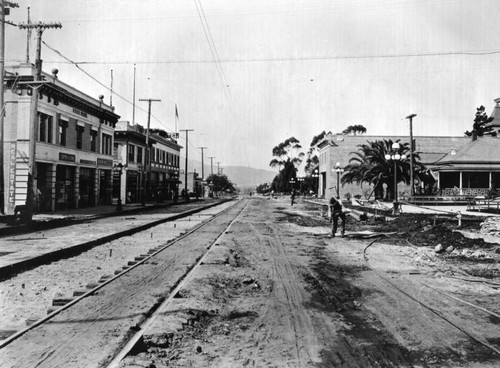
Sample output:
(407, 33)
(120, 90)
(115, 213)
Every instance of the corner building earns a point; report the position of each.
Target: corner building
(74, 144)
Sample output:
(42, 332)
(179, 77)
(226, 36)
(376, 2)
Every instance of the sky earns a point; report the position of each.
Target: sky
(246, 75)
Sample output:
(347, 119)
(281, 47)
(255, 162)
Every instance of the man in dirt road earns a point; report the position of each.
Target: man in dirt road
(336, 211)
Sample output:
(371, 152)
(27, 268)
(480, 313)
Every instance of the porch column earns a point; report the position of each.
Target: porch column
(490, 185)
(461, 182)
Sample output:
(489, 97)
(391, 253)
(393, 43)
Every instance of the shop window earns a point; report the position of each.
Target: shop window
(93, 140)
(79, 136)
(63, 127)
(131, 153)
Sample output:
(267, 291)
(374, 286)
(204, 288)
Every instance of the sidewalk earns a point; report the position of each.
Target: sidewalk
(24, 251)
(42, 221)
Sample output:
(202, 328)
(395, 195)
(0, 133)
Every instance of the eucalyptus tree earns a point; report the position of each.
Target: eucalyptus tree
(287, 157)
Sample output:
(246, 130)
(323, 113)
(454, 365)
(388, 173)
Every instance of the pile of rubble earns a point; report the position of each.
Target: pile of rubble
(491, 226)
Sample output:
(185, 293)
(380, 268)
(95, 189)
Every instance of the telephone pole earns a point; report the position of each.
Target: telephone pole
(202, 163)
(32, 176)
(186, 193)
(147, 163)
(412, 189)
(202, 172)
(211, 165)
(4, 10)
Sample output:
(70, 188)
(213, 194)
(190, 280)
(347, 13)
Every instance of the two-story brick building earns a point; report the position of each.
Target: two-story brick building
(160, 175)
(74, 143)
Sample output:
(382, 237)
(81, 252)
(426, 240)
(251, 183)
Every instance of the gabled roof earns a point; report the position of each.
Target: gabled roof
(484, 150)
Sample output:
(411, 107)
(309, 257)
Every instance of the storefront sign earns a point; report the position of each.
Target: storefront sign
(12, 173)
(66, 157)
(79, 112)
(87, 162)
(104, 162)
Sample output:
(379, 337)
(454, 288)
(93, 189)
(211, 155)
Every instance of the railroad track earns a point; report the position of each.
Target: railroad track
(218, 223)
(432, 300)
(71, 251)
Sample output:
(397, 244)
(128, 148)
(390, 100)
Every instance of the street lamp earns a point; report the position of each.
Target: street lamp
(395, 157)
(339, 169)
(301, 181)
(119, 167)
(292, 182)
(316, 175)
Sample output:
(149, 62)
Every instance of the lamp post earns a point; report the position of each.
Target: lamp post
(292, 182)
(395, 157)
(301, 181)
(339, 169)
(316, 175)
(119, 167)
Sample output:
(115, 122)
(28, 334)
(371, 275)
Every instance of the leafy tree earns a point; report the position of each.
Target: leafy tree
(312, 160)
(286, 157)
(481, 125)
(356, 129)
(220, 183)
(369, 165)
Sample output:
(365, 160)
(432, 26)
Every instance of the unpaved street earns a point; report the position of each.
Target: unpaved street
(277, 291)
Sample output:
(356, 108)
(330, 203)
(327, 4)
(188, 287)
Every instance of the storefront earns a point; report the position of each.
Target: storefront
(65, 187)
(87, 187)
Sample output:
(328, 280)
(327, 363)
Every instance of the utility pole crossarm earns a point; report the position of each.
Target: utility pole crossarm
(39, 25)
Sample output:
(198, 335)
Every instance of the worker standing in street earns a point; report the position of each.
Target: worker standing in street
(337, 212)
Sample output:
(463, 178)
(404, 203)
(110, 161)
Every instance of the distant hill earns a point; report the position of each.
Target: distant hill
(240, 176)
(247, 176)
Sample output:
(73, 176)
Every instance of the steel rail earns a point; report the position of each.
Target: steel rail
(41, 321)
(182, 281)
(432, 310)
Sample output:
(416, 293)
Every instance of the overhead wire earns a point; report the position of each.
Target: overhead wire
(215, 55)
(102, 84)
(306, 58)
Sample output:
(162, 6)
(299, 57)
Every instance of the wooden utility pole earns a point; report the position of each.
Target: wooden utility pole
(4, 10)
(202, 163)
(202, 172)
(186, 193)
(211, 165)
(31, 195)
(147, 164)
(410, 117)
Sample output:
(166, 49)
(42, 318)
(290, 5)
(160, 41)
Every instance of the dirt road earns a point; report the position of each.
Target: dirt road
(277, 291)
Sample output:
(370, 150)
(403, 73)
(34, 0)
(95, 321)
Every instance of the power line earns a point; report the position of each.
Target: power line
(76, 64)
(302, 58)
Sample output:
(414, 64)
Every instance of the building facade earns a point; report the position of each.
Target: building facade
(74, 144)
(155, 179)
(338, 148)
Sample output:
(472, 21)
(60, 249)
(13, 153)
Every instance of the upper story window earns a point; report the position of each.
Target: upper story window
(131, 153)
(93, 140)
(79, 136)
(139, 155)
(45, 127)
(63, 127)
(106, 144)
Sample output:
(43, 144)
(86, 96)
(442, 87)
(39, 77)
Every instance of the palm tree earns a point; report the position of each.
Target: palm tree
(369, 165)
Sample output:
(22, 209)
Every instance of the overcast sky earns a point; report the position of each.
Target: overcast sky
(287, 67)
